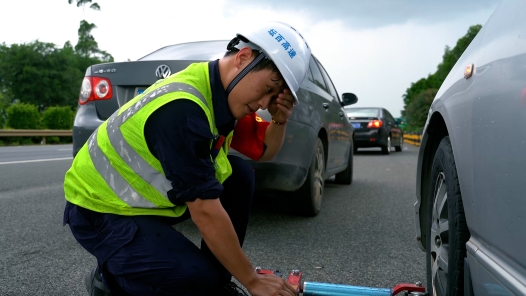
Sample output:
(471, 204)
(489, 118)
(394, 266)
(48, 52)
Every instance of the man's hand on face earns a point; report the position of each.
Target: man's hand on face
(281, 107)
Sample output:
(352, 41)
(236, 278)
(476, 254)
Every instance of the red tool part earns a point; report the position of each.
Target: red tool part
(409, 288)
(295, 279)
(264, 271)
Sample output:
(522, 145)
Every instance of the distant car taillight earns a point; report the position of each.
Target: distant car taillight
(95, 88)
(375, 124)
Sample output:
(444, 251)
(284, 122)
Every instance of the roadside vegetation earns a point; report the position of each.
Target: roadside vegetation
(419, 96)
(39, 82)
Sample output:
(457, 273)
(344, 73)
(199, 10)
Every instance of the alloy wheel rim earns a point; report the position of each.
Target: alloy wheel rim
(439, 237)
(318, 177)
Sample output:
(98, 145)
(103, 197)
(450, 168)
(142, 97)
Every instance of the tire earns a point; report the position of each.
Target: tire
(399, 147)
(387, 148)
(307, 200)
(447, 231)
(345, 177)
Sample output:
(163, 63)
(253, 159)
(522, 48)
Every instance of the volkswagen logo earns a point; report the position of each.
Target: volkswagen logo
(163, 71)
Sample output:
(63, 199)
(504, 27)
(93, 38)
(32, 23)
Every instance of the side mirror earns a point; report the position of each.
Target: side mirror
(349, 99)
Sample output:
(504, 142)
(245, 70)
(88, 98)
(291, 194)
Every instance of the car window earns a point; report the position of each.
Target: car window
(318, 78)
(309, 75)
(328, 82)
(206, 51)
(362, 112)
(389, 116)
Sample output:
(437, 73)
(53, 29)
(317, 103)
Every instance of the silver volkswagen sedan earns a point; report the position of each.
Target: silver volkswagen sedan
(471, 175)
(318, 141)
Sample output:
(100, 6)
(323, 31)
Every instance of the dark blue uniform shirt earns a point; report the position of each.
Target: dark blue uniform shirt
(178, 135)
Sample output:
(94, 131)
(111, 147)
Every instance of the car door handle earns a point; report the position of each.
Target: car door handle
(341, 114)
(326, 105)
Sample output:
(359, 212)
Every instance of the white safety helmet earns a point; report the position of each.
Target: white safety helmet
(284, 45)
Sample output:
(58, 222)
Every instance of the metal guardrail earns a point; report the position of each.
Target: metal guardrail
(413, 139)
(35, 133)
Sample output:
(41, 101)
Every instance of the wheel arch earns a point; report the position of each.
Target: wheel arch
(434, 133)
(322, 134)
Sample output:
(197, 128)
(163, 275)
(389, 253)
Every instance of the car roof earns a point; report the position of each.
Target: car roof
(353, 107)
(379, 109)
(358, 108)
(199, 50)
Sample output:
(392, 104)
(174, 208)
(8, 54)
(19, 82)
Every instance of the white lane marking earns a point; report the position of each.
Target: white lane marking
(35, 160)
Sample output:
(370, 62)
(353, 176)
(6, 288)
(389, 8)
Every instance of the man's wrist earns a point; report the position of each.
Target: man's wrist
(251, 280)
(277, 122)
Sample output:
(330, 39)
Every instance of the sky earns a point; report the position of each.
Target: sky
(373, 48)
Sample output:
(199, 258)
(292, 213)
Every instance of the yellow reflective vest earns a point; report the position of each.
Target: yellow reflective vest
(114, 172)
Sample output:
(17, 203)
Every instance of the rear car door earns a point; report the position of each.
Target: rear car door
(396, 132)
(323, 106)
(339, 127)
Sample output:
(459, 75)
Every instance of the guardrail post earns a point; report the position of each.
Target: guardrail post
(413, 138)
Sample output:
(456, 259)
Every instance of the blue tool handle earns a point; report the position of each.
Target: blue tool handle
(323, 289)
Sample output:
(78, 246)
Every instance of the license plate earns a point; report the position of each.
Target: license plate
(140, 91)
(356, 125)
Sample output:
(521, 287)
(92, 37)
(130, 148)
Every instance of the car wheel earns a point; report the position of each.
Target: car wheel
(387, 148)
(447, 231)
(399, 147)
(345, 177)
(307, 199)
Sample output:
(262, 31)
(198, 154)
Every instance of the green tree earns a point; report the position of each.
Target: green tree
(4, 104)
(23, 116)
(58, 118)
(87, 48)
(451, 56)
(435, 80)
(417, 110)
(83, 3)
(39, 73)
(416, 88)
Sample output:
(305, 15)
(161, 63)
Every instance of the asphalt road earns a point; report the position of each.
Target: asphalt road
(363, 236)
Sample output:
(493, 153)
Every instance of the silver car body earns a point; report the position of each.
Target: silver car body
(319, 113)
(485, 118)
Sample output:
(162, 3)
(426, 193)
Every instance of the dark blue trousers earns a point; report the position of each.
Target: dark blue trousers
(145, 255)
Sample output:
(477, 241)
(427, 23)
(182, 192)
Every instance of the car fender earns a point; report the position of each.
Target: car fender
(435, 129)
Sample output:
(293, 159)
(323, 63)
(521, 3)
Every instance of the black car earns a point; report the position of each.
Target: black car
(375, 127)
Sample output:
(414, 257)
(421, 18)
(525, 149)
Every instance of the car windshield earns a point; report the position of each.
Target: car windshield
(201, 51)
(362, 112)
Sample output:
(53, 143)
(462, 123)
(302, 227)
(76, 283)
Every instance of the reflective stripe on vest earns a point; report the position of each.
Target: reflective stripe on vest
(117, 183)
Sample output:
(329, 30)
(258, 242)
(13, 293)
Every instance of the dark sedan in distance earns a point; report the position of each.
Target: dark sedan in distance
(375, 127)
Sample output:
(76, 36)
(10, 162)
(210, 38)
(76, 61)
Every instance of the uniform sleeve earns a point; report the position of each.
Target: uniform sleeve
(178, 135)
(249, 136)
